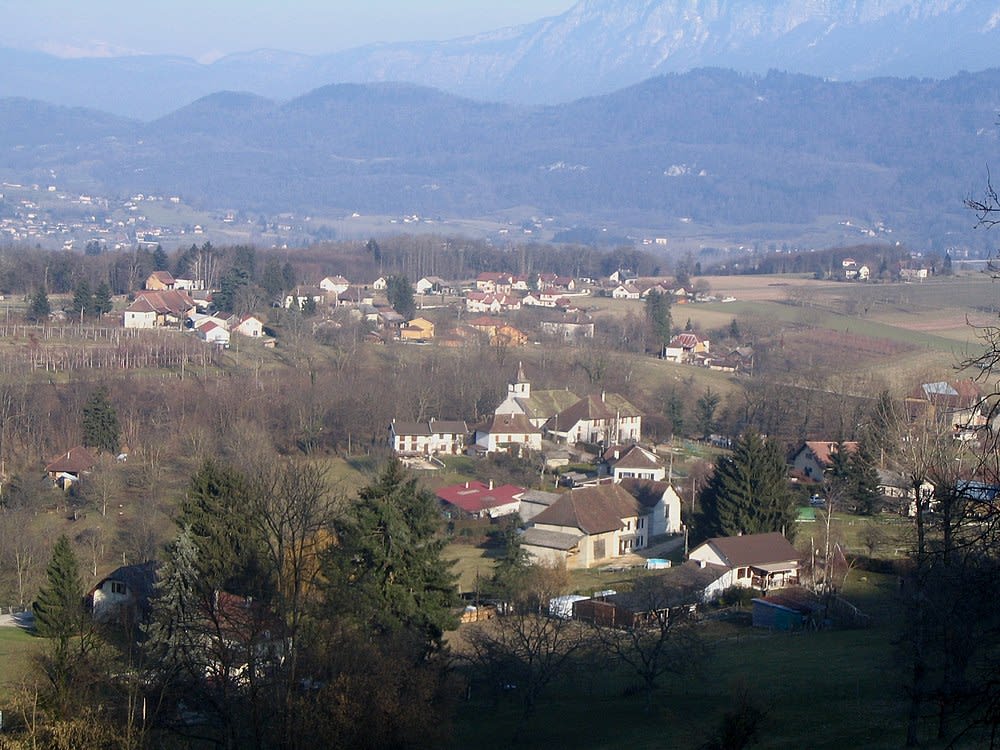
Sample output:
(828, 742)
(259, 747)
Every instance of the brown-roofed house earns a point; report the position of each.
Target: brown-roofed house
(597, 419)
(761, 561)
(68, 468)
(588, 526)
(501, 431)
(159, 281)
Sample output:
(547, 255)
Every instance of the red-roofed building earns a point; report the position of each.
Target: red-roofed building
(816, 456)
(159, 281)
(482, 501)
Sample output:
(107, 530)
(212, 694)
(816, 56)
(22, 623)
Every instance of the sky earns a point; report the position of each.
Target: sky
(208, 29)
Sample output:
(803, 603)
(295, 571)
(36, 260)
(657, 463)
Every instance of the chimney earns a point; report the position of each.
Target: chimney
(491, 485)
(466, 485)
(702, 563)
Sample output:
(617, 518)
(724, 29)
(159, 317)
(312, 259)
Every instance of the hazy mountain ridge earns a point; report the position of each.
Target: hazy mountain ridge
(595, 47)
(711, 146)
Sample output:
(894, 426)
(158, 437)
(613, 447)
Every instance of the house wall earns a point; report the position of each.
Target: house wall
(805, 461)
(548, 556)
(139, 319)
(109, 599)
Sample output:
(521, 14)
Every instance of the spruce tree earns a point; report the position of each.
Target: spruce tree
(58, 608)
(400, 294)
(387, 569)
(171, 635)
(748, 492)
(102, 299)
(100, 423)
(39, 308)
(214, 510)
(83, 300)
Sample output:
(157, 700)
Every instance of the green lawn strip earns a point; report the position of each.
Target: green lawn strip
(17, 649)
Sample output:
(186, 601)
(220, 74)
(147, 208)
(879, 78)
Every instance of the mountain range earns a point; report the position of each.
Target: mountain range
(595, 47)
(708, 148)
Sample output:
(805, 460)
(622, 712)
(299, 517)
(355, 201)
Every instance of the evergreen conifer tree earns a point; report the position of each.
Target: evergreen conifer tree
(102, 299)
(171, 635)
(39, 309)
(83, 300)
(214, 510)
(100, 423)
(58, 608)
(748, 492)
(386, 568)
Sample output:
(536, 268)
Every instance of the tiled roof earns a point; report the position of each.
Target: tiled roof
(824, 449)
(593, 510)
(475, 497)
(638, 458)
(512, 423)
(550, 539)
(754, 549)
(646, 491)
(73, 461)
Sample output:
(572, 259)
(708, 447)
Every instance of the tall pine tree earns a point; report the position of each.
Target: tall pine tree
(386, 568)
(177, 609)
(58, 608)
(748, 492)
(100, 423)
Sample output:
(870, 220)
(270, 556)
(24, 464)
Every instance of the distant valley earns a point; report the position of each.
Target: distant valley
(711, 155)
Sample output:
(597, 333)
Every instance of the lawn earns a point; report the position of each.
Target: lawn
(17, 648)
(831, 689)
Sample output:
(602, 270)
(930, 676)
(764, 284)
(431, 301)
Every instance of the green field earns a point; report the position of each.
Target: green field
(831, 689)
(17, 649)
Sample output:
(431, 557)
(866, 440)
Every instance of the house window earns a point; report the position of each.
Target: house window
(641, 523)
(117, 587)
(743, 573)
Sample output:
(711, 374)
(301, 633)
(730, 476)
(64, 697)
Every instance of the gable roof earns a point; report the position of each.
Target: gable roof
(166, 301)
(754, 549)
(475, 497)
(638, 458)
(823, 450)
(517, 424)
(647, 491)
(546, 403)
(73, 461)
(959, 394)
(593, 510)
(164, 277)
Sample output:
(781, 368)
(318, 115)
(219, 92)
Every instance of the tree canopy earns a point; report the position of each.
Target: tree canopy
(100, 423)
(748, 492)
(387, 565)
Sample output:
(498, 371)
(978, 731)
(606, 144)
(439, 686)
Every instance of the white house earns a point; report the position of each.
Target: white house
(249, 326)
(603, 419)
(213, 333)
(334, 284)
(380, 284)
(636, 463)
(428, 438)
(626, 291)
(662, 502)
(501, 431)
(761, 561)
(125, 594)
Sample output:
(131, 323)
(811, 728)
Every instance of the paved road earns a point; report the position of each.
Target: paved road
(24, 620)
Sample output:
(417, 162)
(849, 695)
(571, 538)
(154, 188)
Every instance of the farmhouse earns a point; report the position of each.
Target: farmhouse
(124, 595)
(428, 438)
(503, 431)
(67, 469)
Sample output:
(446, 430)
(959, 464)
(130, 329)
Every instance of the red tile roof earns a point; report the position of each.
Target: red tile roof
(476, 497)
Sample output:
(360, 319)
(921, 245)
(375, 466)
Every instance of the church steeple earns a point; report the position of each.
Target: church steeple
(520, 387)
